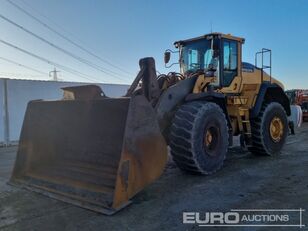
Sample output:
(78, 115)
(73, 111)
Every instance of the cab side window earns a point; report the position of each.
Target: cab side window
(230, 57)
(193, 59)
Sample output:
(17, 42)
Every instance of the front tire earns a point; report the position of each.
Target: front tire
(269, 130)
(199, 137)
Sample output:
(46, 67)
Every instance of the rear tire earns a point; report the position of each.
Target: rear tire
(199, 137)
(269, 130)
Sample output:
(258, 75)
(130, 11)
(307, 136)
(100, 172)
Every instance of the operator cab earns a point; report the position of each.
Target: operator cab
(214, 55)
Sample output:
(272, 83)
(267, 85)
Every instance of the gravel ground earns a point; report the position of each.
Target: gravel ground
(245, 182)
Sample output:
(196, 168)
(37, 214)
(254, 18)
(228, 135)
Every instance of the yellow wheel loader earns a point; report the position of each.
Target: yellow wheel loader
(98, 152)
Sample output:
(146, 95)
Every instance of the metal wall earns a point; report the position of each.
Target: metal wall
(20, 92)
(2, 124)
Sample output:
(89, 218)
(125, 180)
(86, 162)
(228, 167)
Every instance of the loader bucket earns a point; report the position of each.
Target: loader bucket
(96, 154)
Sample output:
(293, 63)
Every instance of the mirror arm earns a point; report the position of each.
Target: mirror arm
(171, 51)
(170, 65)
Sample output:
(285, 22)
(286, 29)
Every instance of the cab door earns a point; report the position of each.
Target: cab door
(230, 58)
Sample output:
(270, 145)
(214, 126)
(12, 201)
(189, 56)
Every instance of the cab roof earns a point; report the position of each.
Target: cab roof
(208, 36)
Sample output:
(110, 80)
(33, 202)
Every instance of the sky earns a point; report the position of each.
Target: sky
(123, 31)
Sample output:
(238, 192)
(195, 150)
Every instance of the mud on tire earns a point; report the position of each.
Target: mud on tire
(199, 137)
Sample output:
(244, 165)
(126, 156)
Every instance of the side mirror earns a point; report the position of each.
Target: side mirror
(167, 56)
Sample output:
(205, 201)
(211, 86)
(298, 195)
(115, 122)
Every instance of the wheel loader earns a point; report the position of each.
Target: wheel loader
(97, 152)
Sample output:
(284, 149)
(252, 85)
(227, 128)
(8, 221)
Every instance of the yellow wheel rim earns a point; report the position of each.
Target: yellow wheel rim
(211, 140)
(208, 138)
(276, 129)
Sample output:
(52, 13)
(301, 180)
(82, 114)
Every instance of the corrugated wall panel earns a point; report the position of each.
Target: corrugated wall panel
(1, 112)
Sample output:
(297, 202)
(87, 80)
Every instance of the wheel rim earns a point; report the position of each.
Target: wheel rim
(211, 140)
(276, 129)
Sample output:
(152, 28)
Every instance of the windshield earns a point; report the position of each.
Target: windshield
(198, 55)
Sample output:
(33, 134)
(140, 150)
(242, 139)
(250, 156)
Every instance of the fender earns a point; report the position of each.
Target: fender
(272, 93)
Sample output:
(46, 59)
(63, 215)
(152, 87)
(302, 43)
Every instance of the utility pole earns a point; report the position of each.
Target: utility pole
(54, 74)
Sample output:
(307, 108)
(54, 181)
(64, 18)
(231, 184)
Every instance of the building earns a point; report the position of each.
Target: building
(16, 93)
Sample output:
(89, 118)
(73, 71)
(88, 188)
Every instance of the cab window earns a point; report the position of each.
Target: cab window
(230, 57)
(193, 58)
